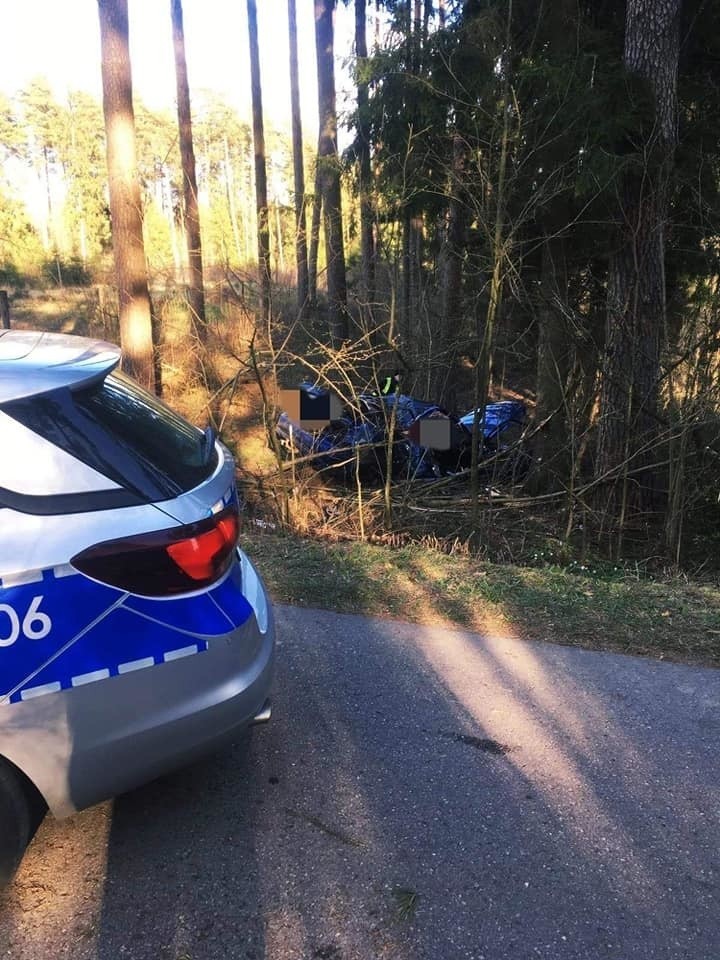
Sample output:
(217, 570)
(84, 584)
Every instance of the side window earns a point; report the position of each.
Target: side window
(32, 466)
(121, 433)
(151, 432)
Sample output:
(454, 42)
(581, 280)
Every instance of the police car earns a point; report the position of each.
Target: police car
(134, 634)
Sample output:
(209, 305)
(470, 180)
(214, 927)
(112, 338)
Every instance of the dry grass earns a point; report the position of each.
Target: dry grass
(668, 619)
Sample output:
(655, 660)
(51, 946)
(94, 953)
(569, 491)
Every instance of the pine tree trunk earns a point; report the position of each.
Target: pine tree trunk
(486, 337)
(636, 282)
(260, 172)
(278, 233)
(329, 170)
(298, 168)
(550, 445)
(179, 266)
(125, 207)
(241, 252)
(367, 239)
(427, 14)
(314, 240)
(196, 289)
(453, 258)
(405, 295)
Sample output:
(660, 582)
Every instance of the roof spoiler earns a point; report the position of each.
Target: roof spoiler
(33, 362)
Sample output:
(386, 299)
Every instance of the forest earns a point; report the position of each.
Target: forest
(523, 205)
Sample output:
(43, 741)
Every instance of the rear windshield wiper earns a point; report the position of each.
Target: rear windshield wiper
(207, 445)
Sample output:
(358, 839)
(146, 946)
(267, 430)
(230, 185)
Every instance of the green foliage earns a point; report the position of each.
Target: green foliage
(10, 276)
(11, 136)
(21, 251)
(70, 273)
(86, 213)
(43, 121)
(64, 144)
(579, 123)
(161, 245)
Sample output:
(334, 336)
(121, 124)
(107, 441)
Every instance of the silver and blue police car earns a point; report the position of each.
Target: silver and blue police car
(134, 634)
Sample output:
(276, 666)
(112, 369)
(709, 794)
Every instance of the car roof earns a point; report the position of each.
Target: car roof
(34, 362)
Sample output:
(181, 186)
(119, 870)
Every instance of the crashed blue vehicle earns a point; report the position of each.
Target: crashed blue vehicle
(428, 441)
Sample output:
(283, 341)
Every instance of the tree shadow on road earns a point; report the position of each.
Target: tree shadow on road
(421, 793)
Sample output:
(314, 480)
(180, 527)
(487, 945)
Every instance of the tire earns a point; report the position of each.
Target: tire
(21, 812)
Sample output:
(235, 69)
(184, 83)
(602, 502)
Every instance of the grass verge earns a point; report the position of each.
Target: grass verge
(669, 619)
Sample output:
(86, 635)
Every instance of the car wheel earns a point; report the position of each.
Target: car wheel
(21, 812)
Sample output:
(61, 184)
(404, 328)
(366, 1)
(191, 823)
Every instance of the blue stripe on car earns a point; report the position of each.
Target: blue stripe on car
(99, 632)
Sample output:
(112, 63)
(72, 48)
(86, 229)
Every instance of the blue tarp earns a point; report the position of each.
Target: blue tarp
(498, 417)
(366, 428)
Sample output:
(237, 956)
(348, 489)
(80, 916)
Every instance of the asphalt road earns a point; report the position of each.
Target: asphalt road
(420, 793)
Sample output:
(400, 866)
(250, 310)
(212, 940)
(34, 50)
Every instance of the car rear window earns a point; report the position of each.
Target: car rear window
(125, 433)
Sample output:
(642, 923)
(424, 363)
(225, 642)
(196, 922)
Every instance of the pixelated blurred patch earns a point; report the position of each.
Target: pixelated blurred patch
(312, 408)
(432, 432)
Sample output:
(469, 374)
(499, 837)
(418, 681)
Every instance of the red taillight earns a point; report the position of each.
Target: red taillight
(165, 562)
(201, 556)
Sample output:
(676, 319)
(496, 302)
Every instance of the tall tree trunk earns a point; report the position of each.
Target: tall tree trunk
(427, 14)
(125, 208)
(452, 280)
(83, 246)
(280, 255)
(52, 239)
(406, 323)
(176, 231)
(367, 239)
(410, 327)
(554, 448)
(196, 289)
(45, 223)
(636, 281)
(550, 445)
(417, 239)
(329, 169)
(486, 337)
(314, 239)
(260, 172)
(417, 32)
(301, 253)
(241, 251)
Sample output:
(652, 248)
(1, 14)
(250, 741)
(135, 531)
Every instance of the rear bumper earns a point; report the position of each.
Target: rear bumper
(96, 741)
(169, 716)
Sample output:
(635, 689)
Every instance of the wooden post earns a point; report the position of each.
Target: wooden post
(4, 310)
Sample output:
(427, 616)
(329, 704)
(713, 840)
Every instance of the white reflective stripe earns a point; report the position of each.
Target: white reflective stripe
(66, 646)
(18, 579)
(182, 652)
(162, 623)
(30, 692)
(90, 677)
(136, 665)
(65, 571)
(222, 612)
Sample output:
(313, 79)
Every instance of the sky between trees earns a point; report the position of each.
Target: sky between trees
(61, 41)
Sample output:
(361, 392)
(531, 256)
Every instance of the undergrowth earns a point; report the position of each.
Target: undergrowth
(521, 565)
